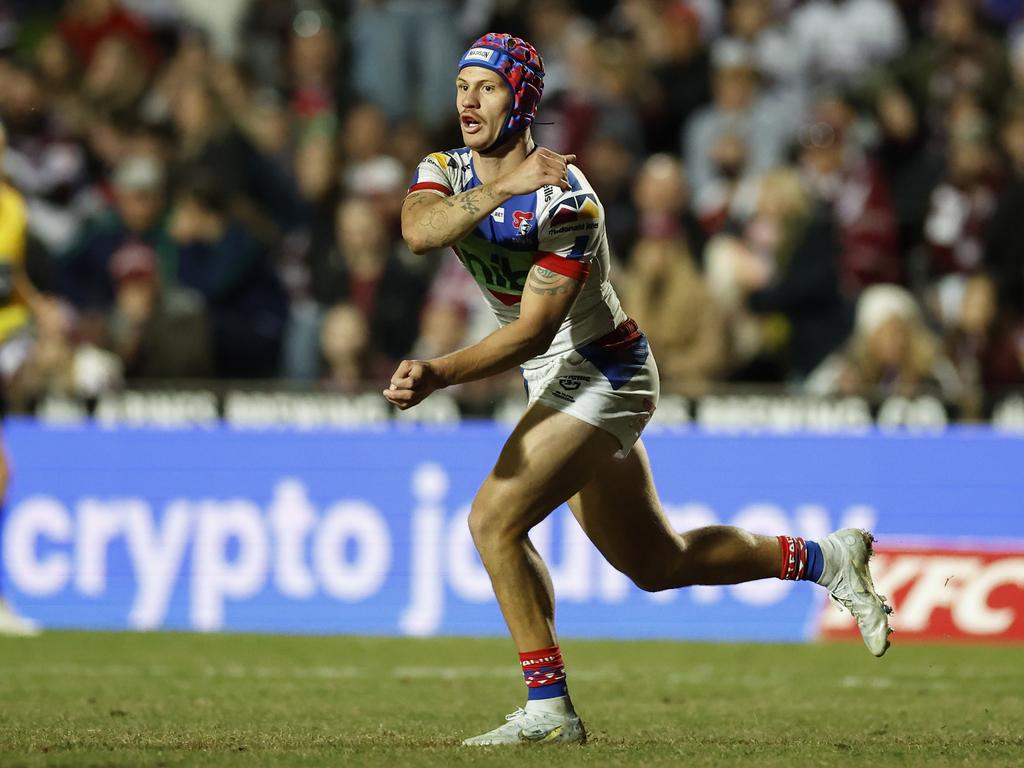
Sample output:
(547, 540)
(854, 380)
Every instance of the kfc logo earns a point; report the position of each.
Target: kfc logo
(943, 594)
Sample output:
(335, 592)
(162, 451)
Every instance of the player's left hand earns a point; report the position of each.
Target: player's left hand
(412, 382)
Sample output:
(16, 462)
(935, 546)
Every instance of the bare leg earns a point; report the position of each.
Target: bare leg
(620, 512)
(547, 459)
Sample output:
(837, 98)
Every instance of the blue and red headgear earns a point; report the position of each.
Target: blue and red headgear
(522, 70)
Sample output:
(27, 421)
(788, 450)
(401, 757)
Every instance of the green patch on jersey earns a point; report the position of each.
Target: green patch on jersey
(495, 267)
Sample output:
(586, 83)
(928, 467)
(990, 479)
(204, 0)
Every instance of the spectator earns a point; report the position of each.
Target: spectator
(444, 327)
(231, 269)
(410, 46)
(752, 24)
(784, 267)
(668, 298)
(50, 362)
(740, 133)
(116, 77)
(86, 24)
(680, 72)
(1012, 137)
(312, 65)
(661, 197)
(962, 204)
(362, 267)
(46, 164)
(852, 186)
(369, 171)
(346, 348)
(158, 331)
(985, 345)
(838, 41)
(958, 56)
(597, 100)
(138, 216)
(910, 162)
(259, 190)
(610, 169)
(1004, 245)
(890, 353)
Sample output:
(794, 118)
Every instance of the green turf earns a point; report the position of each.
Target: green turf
(84, 699)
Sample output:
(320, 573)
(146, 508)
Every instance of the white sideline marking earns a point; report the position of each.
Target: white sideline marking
(881, 682)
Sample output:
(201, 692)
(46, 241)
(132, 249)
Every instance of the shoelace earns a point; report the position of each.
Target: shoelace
(515, 715)
(847, 602)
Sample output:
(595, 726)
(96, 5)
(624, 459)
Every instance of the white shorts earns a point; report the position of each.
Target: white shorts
(611, 383)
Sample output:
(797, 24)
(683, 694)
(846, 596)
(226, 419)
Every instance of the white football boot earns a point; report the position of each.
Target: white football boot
(13, 625)
(848, 580)
(533, 728)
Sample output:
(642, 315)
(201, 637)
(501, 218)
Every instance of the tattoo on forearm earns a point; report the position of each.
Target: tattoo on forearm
(468, 202)
(435, 216)
(547, 283)
(436, 219)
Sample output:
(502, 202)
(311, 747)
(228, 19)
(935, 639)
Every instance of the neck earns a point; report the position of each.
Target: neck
(507, 157)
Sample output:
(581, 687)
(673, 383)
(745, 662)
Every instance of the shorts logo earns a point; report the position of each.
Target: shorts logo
(521, 221)
(481, 54)
(569, 383)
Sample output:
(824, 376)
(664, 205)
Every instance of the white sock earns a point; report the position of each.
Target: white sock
(557, 705)
(828, 554)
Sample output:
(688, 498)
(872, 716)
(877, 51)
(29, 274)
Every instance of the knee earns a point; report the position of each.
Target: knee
(489, 524)
(656, 577)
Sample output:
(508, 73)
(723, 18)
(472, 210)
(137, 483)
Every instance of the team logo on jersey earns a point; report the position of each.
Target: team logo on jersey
(578, 207)
(521, 221)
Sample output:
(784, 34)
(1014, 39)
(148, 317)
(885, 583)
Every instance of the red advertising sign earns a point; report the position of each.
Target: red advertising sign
(944, 594)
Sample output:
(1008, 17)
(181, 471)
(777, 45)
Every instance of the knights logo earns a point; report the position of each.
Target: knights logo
(521, 220)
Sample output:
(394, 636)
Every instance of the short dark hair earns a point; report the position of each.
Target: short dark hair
(202, 187)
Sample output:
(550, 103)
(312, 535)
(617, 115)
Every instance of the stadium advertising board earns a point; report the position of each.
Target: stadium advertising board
(363, 531)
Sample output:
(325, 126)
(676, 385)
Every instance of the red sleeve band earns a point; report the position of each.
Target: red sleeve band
(577, 270)
(432, 186)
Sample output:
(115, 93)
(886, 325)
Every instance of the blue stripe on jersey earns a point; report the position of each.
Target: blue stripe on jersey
(579, 248)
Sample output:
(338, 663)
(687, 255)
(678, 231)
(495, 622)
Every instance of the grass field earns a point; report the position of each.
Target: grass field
(89, 699)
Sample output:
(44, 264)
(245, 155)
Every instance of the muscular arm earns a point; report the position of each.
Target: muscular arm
(546, 301)
(431, 221)
(547, 298)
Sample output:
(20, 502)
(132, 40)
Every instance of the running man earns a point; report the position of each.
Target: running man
(529, 228)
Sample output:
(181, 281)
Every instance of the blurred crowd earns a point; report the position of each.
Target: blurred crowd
(826, 194)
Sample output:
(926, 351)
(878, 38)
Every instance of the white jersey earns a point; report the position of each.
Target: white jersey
(562, 231)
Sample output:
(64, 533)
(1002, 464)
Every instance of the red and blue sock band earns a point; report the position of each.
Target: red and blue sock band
(544, 672)
(801, 559)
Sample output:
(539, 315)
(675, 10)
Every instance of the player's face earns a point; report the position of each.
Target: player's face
(483, 101)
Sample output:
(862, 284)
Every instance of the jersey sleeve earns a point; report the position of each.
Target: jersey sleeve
(431, 175)
(568, 233)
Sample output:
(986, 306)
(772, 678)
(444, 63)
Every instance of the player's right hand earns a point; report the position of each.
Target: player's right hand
(412, 382)
(540, 169)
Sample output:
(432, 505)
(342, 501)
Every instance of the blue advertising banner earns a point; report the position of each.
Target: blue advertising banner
(364, 531)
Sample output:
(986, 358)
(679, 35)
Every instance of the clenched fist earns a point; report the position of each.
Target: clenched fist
(542, 168)
(412, 382)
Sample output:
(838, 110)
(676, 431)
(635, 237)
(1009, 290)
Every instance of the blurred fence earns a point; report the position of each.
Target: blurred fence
(724, 408)
(363, 530)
